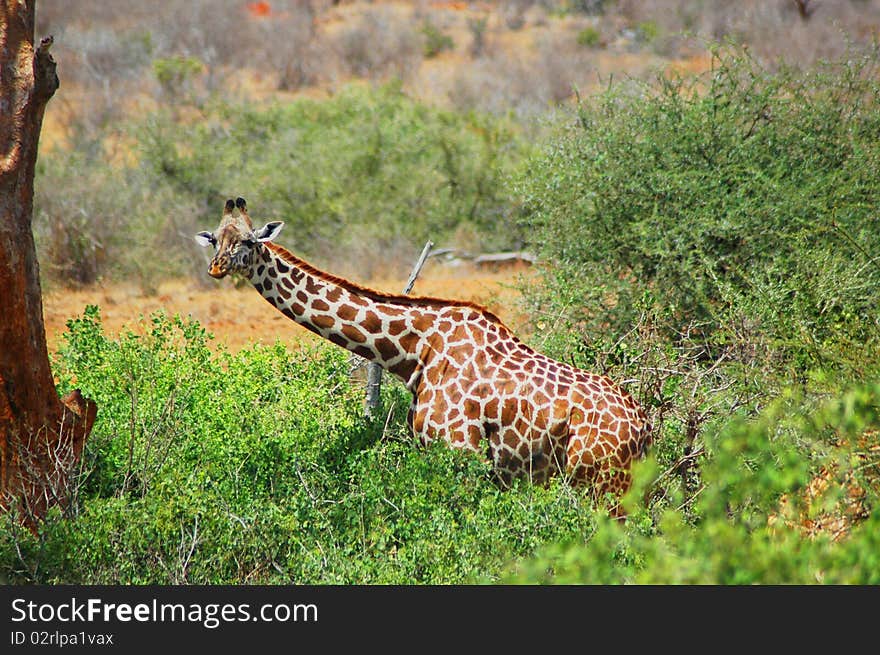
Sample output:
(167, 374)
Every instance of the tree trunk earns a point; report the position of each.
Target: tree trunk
(41, 436)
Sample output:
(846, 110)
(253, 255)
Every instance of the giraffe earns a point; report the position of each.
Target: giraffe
(474, 384)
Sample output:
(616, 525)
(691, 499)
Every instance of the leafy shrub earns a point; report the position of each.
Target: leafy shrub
(708, 242)
(367, 171)
(258, 467)
(209, 467)
(740, 538)
(589, 37)
(647, 31)
(742, 198)
(175, 74)
(436, 41)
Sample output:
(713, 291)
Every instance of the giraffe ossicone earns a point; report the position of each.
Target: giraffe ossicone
(474, 384)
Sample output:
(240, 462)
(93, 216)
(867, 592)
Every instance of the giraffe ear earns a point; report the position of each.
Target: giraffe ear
(269, 231)
(205, 239)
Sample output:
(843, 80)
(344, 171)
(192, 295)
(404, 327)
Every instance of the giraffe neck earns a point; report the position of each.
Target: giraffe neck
(381, 328)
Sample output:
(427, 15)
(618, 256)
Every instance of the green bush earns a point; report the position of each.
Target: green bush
(742, 202)
(211, 467)
(589, 37)
(175, 74)
(709, 242)
(436, 41)
(368, 171)
(745, 535)
(647, 31)
(258, 467)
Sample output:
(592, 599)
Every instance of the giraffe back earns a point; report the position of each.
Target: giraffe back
(483, 389)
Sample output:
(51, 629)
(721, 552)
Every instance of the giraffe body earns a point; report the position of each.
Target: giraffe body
(474, 384)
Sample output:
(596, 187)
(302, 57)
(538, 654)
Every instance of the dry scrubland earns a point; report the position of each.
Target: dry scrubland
(697, 178)
(123, 63)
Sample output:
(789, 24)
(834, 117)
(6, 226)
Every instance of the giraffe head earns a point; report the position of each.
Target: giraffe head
(235, 240)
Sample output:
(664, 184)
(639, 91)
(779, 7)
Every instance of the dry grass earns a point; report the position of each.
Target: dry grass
(379, 43)
(520, 56)
(773, 30)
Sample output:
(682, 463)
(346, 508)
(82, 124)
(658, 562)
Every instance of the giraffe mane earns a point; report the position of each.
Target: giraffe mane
(379, 296)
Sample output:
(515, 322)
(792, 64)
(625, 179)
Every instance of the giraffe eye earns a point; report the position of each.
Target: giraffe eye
(248, 242)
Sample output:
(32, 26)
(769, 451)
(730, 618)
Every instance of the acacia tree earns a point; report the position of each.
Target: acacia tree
(41, 435)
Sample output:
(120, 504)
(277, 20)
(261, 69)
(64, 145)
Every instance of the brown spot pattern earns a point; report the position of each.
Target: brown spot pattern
(323, 321)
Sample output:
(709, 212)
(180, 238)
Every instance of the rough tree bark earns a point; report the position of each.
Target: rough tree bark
(41, 435)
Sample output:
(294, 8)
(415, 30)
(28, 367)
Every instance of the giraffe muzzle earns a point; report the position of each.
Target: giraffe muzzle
(216, 271)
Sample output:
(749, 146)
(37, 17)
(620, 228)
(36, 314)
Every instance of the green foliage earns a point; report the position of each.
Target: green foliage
(367, 171)
(174, 74)
(647, 31)
(743, 198)
(109, 222)
(258, 467)
(436, 41)
(589, 37)
(744, 536)
(211, 467)
(710, 240)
